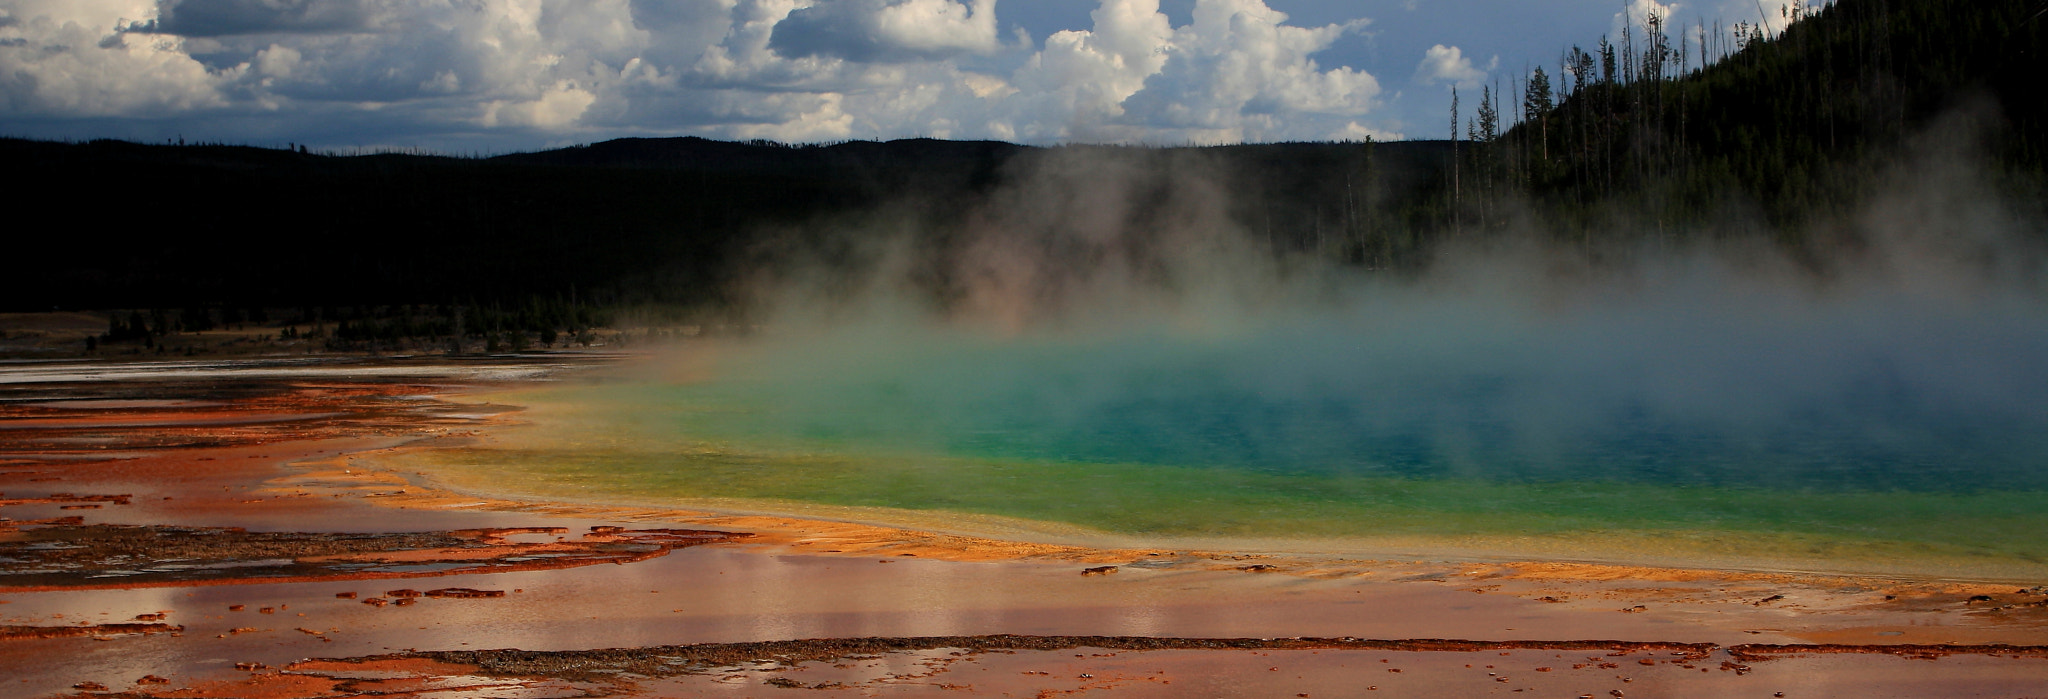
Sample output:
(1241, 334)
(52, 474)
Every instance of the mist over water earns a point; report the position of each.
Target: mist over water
(1102, 311)
(1153, 370)
(1675, 382)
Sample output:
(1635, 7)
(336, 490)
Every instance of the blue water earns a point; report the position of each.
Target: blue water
(1250, 405)
(1872, 430)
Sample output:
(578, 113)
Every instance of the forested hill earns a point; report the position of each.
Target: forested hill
(1794, 126)
(1635, 135)
(671, 221)
(894, 161)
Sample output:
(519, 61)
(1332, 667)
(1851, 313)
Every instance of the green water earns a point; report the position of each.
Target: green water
(1516, 443)
(1988, 531)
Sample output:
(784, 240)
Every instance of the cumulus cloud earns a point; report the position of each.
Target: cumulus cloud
(556, 107)
(1237, 69)
(1450, 64)
(1084, 76)
(518, 71)
(232, 17)
(65, 59)
(1635, 13)
(1237, 72)
(1355, 132)
(888, 30)
(1774, 14)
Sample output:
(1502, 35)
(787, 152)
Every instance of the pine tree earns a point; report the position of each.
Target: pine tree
(1607, 63)
(1539, 100)
(1487, 127)
(1537, 105)
(1457, 187)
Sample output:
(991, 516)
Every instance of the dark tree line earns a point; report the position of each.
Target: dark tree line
(1672, 133)
(1665, 133)
(548, 321)
(623, 224)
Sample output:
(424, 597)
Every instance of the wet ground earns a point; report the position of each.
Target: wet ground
(221, 529)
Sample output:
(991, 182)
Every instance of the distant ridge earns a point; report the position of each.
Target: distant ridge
(1780, 139)
(1796, 126)
(762, 156)
(636, 220)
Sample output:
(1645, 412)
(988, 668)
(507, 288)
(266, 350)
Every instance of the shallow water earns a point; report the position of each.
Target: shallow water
(1902, 436)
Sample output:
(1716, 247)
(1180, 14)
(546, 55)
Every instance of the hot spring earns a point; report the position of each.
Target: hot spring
(1683, 418)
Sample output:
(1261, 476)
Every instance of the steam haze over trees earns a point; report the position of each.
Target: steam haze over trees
(1785, 132)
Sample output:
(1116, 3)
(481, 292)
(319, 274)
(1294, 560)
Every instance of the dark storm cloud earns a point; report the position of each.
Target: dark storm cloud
(830, 29)
(1192, 71)
(666, 15)
(209, 18)
(886, 30)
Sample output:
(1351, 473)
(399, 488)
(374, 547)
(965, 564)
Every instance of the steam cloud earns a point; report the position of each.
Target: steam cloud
(1101, 306)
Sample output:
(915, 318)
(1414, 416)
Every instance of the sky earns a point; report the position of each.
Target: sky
(494, 76)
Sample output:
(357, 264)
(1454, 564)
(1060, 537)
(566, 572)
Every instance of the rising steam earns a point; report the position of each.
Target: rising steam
(1107, 305)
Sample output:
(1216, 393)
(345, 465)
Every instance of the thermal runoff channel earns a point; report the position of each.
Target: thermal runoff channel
(1689, 410)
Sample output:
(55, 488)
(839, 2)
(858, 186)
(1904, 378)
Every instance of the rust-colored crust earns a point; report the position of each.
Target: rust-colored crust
(25, 633)
(316, 557)
(1771, 651)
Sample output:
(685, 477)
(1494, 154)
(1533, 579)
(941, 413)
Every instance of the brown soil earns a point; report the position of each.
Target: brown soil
(673, 660)
(38, 556)
(1769, 651)
(912, 664)
(20, 633)
(198, 480)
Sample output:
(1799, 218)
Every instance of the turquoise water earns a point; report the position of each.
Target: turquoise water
(1895, 435)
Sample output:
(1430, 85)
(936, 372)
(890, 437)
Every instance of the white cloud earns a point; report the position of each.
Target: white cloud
(826, 120)
(1635, 12)
(64, 59)
(1237, 67)
(236, 17)
(555, 108)
(1774, 14)
(888, 29)
(906, 27)
(586, 69)
(1449, 64)
(1078, 83)
(86, 13)
(1237, 72)
(279, 62)
(939, 25)
(1355, 132)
